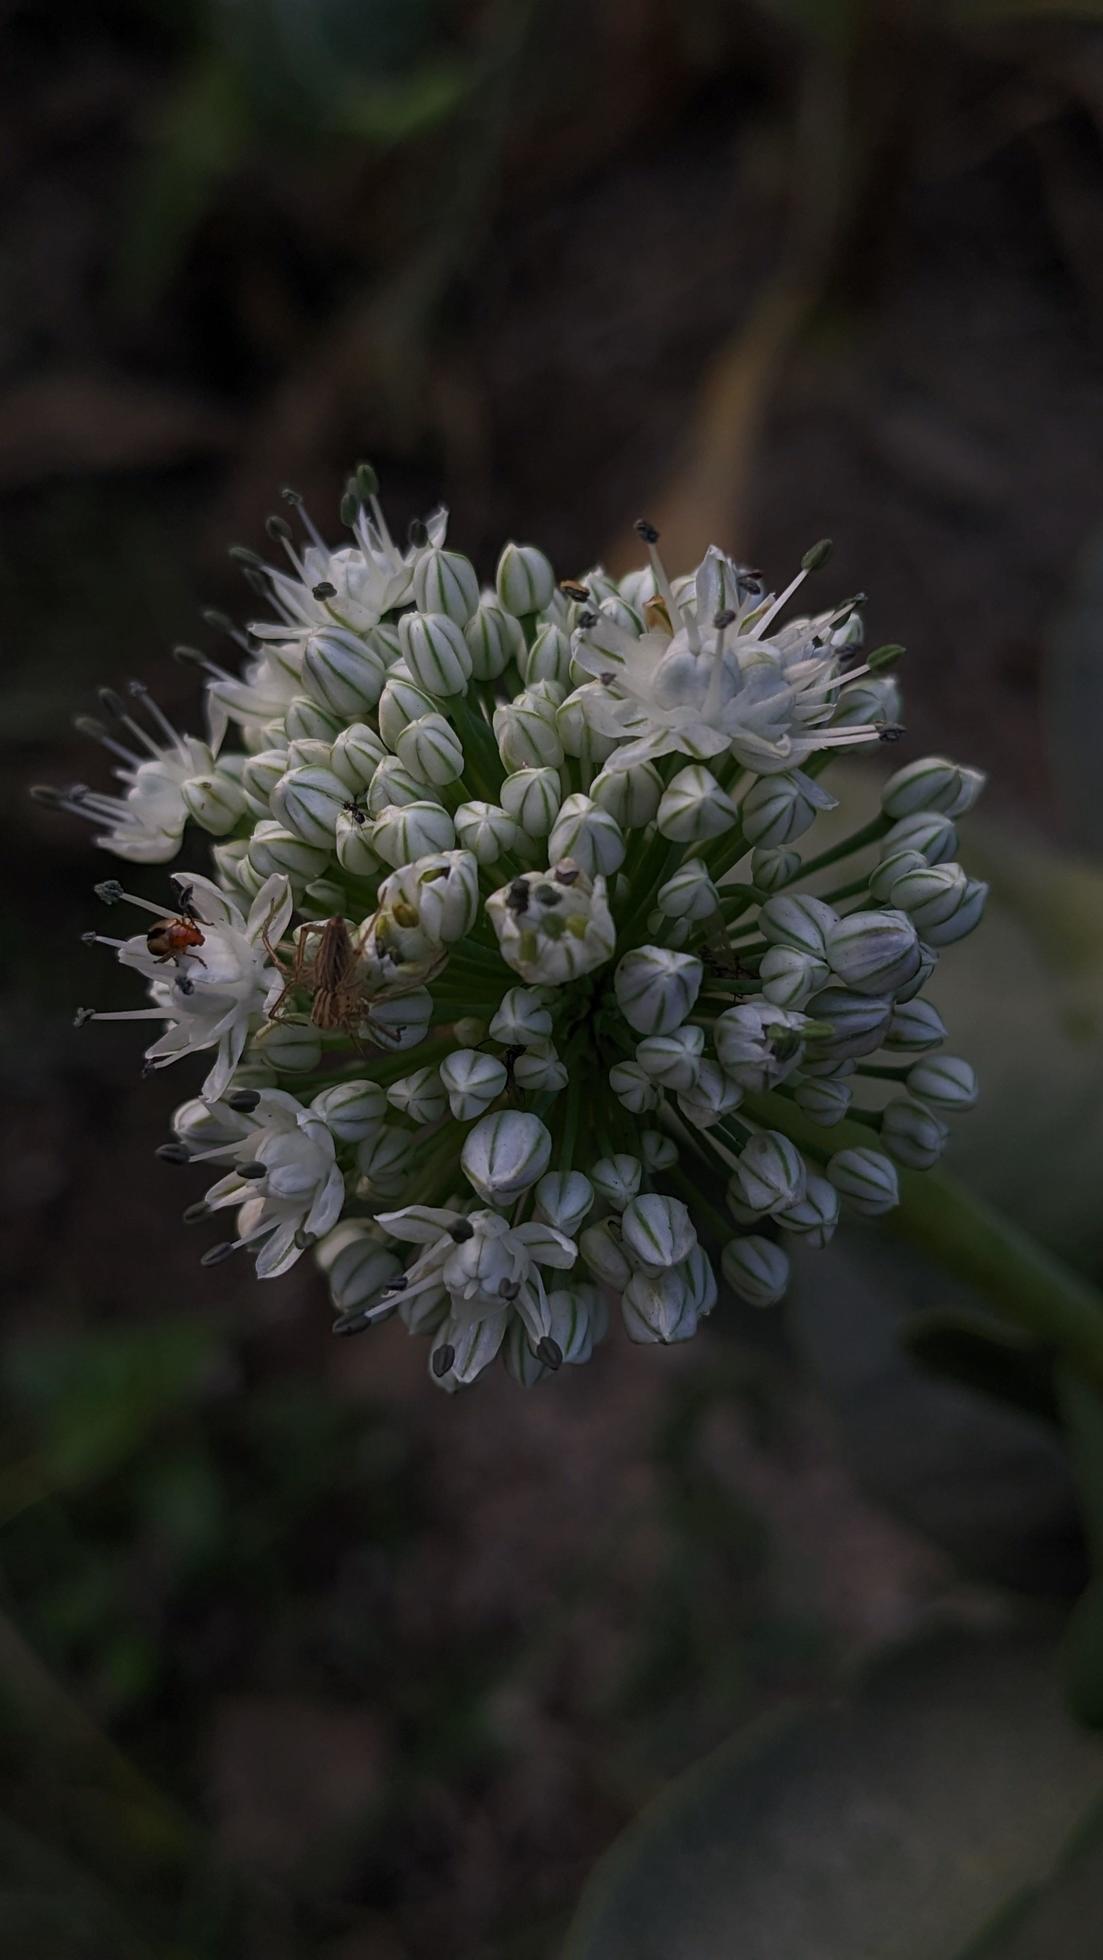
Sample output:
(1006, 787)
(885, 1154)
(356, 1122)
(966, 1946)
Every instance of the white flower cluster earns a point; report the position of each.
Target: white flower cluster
(508, 965)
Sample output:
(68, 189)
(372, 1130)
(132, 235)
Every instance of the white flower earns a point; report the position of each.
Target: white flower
(290, 1190)
(146, 822)
(219, 990)
(355, 585)
(553, 926)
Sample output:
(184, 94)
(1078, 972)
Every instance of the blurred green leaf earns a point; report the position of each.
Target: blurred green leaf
(99, 1398)
(980, 1353)
(1072, 682)
(201, 134)
(894, 1828)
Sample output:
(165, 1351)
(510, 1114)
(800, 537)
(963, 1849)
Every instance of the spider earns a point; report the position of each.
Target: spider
(329, 965)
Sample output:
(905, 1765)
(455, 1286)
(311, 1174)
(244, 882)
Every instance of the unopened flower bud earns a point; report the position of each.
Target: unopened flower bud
(773, 869)
(778, 809)
(631, 796)
(354, 852)
(943, 903)
(343, 672)
(446, 582)
(865, 1179)
(431, 750)
(309, 802)
(656, 988)
(884, 875)
(306, 720)
(771, 1172)
(633, 1087)
(526, 733)
(874, 952)
(563, 1199)
(539, 1071)
(435, 651)
(504, 1154)
(915, 1025)
(694, 808)
(659, 1307)
(789, 977)
(532, 798)
(487, 832)
(411, 830)
(420, 1096)
(929, 832)
(857, 1023)
(674, 1059)
(356, 755)
(356, 1266)
(393, 783)
(401, 702)
(601, 1250)
(944, 1081)
(525, 580)
(472, 1081)
(756, 1269)
(713, 1095)
(548, 658)
(657, 1231)
(272, 847)
(825, 1102)
(932, 783)
(383, 1160)
(616, 1179)
(522, 1018)
(587, 834)
(659, 1152)
(494, 638)
(402, 1022)
(689, 894)
(913, 1134)
(352, 1110)
(795, 919)
(815, 1216)
(290, 1047)
(214, 802)
(259, 775)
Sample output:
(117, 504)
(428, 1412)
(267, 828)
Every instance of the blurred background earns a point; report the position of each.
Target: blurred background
(297, 1657)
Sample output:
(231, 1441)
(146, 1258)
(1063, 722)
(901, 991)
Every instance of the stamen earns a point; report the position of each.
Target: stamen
(172, 1153)
(549, 1352)
(216, 1254)
(243, 1101)
(111, 893)
(220, 622)
(443, 1359)
(195, 657)
(358, 1318)
(140, 692)
(95, 730)
(678, 619)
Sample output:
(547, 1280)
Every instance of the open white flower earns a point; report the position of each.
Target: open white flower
(286, 1182)
(220, 988)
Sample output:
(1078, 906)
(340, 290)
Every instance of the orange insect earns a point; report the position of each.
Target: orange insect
(171, 939)
(341, 984)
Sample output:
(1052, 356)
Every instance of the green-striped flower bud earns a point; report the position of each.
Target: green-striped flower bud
(778, 809)
(915, 1025)
(874, 952)
(857, 1023)
(309, 802)
(689, 894)
(472, 1081)
(494, 638)
(789, 977)
(932, 783)
(771, 870)
(587, 834)
(383, 1161)
(214, 802)
(756, 1269)
(825, 1102)
(392, 783)
(539, 1071)
(549, 657)
(259, 775)
(674, 1059)
(487, 832)
(944, 1081)
(770, 1172)
(929, 832)
(357, 1267)
(656, 988)
(631, 796)
(305, 720)
(421, 1096)
(633, 1088)
(532, 798)
(616, 1178)
(446, 582)
(343, 672)
(659, 1152)
(657, 1232)
(504, 1154)
(290, 1047)
(411, 830)
(353, 841)
(435, 651)
(522, 1018)
(526, 733)
(275, 848)
(795, 919)
(865, 1180)
(563, 1199)
(352, 1110)
(601, 1250)
(659, 1307)
(525, 580)
(431, 750)
(816, 1215)
(356, 755)
(712, 1096)
(693, 807)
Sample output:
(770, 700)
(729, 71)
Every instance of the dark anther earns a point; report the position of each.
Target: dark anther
(461, 1231)
(367, 481)
(184, 985)
(418, 536)
(586, 620)
(548, 895)
(217, 1253)
(819, 555)
(278, 529)
(357, 1320)
(219, 622)
(350, 509)
(566, 874)
(251, 1172)
(112, 702)
(508, 1289)
(518, 897)
(891, 732)
(356, 811)
(109, 890)
(443, 1359)
(646, 531)
(749, 585)
(607, 679)
(195, 1212)
(324, 590)
(725, 617)
(82, 1015)
(241, 555)
(173, 1153)
(244, 1101)
(549, 1352)
(290, 496)
(398, 1285)
(49, 795)
(304, 1240)
(257, 582)
(89, 939)
(572, 588)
